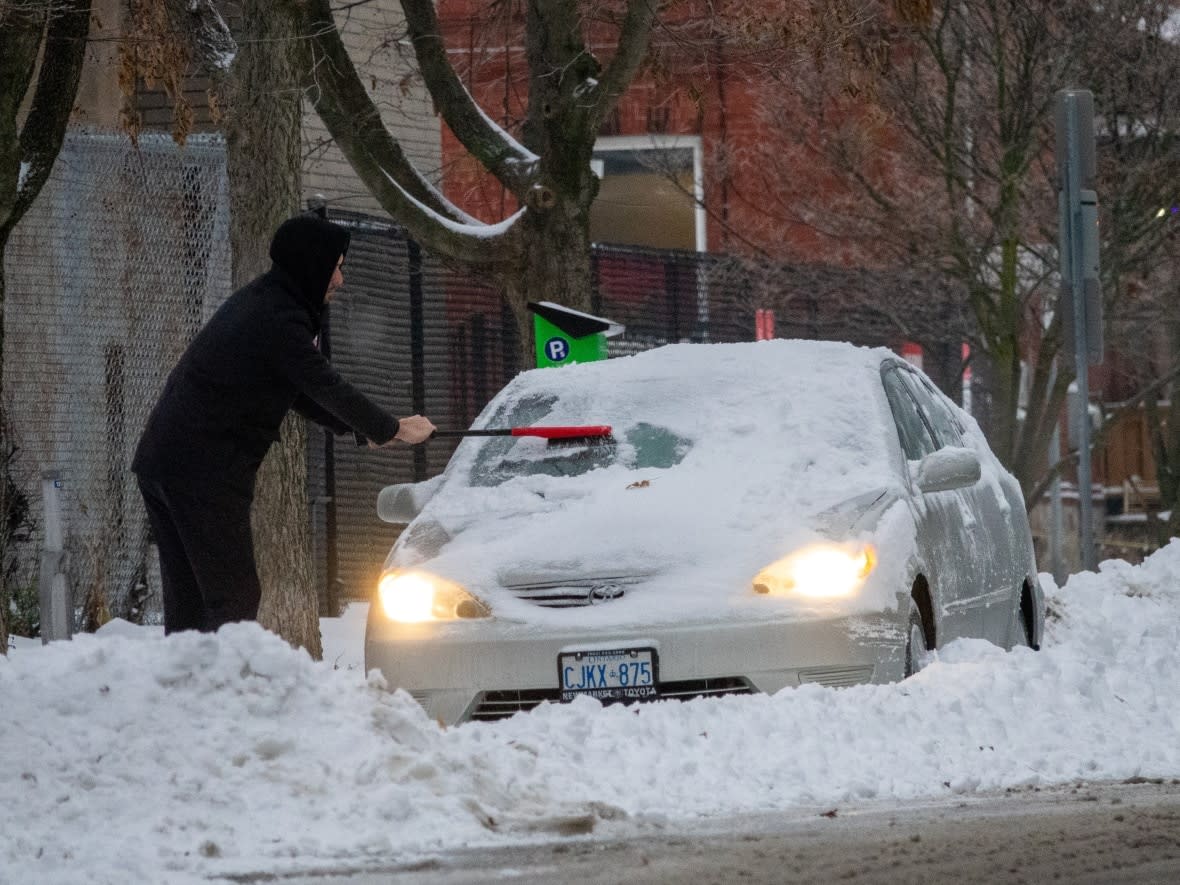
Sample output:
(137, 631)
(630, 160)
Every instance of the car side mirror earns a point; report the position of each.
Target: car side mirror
(947, 469)
(402, 502)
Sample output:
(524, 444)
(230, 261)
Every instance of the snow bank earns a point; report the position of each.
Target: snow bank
(139, 758)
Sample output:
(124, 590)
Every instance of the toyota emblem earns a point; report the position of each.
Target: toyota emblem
(604, 593)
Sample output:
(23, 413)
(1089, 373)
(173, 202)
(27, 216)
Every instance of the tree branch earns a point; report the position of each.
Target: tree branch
(498, 152)
(340, 98)
(209, 38)
(53, 99)
(355, 123)
(20, 40)
(634, 37)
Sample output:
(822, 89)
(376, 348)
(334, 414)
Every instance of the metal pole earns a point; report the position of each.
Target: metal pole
(56, 610)
(1081, 348)
(1055, 518)
(417, 348)
(331, 532)
(319, 205)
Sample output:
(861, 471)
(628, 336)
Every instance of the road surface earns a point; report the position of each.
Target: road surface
(1085, 833)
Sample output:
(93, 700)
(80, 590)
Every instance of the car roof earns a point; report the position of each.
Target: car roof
(685, 384)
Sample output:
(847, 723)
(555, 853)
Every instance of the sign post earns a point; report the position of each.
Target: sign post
(56, 610)
(1081, 293)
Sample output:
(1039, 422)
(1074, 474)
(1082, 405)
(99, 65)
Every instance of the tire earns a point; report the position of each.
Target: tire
(916, 649)
(1020, 630)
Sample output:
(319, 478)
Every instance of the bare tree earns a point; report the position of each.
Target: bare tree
(35, 105)
(945, 164)
(542, 249)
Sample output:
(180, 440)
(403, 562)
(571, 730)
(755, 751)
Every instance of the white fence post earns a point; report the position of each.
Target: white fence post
(57, 617)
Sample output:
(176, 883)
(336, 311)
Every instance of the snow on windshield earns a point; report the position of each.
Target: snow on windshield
(500, 459)
(795, 424)
(806, 410)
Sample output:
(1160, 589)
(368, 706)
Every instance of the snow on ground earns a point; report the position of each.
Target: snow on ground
(125, 756)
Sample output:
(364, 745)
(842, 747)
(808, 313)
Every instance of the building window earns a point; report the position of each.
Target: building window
(650, 192)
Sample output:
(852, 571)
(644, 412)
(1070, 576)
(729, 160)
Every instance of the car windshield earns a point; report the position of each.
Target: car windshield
(504, 457)
(770, 432)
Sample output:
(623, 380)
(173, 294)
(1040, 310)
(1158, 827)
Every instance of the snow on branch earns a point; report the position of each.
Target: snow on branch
(474, 241)
(501, 154)
(213, 44)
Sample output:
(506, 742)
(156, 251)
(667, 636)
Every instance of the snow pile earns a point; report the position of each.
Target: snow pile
(138, 758)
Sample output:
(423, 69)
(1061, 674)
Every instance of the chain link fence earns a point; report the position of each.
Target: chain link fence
(118, 263)
(126, 254)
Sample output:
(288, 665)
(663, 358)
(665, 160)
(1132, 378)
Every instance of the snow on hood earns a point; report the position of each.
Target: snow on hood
(724, 454)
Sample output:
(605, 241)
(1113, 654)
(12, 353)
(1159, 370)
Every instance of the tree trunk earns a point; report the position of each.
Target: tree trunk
(556, 267)
(5, 590)
(560, 128)
(282, 540)
(263, 134)
(28, 151)
(19, 52)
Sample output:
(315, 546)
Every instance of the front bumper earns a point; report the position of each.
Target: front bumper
(488, 669)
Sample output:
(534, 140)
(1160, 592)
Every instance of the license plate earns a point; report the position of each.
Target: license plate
(610, 675)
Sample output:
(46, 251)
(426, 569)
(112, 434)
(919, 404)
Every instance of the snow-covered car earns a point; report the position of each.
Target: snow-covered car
(762, 515)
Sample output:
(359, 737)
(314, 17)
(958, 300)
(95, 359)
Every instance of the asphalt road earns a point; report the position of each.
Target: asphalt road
(1086, 833)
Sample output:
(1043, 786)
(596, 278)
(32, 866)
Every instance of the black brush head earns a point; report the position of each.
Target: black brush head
(602, 440)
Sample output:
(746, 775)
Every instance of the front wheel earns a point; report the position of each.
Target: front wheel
(1020, 629)
(917, 653)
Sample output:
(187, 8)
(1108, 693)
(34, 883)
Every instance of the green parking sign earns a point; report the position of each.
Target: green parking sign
(565, 336)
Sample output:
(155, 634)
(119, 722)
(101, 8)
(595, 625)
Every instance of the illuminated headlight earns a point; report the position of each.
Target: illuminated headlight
(413, 597)
(821, 571)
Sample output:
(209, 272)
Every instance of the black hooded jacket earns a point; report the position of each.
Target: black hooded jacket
(255, 359)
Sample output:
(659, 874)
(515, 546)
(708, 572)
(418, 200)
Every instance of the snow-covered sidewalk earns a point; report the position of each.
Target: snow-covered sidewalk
(127, 757)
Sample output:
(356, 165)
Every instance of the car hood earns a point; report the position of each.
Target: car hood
(672, 562)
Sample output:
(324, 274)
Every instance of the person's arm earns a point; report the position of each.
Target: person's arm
(297, 359)
(309, 409)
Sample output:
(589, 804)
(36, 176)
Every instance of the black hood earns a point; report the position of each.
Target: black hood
(307, 248)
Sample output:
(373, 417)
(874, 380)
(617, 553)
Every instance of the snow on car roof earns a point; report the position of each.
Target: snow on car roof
(685, 383)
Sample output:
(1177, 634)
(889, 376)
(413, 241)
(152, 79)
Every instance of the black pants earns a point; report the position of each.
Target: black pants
(206, 556)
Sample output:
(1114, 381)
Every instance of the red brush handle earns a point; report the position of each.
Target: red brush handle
(543, 432)
(563, 432)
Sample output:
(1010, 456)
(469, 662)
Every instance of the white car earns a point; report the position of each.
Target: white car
(762, 515)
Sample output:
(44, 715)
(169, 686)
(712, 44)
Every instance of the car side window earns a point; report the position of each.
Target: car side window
(912, 431)
(946, 427)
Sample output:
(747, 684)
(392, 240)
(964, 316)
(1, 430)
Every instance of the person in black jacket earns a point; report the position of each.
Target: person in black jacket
(221, 409)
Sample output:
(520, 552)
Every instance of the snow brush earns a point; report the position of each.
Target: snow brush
(593, 434)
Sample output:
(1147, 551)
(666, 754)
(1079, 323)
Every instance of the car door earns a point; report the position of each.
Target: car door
(992, 540)
(942, 520)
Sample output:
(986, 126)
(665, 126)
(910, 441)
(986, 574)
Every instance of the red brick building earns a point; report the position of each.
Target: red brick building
(677, 159)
